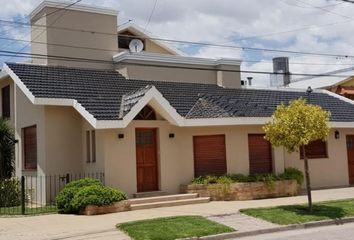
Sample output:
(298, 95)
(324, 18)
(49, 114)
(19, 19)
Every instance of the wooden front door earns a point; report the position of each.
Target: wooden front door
(260, 154)
(350, 152)
(146, 160)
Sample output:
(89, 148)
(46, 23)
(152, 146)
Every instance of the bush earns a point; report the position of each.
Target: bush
(10, 194)
(292, 174)
(65, 197)
(268, 178)
(96, 195)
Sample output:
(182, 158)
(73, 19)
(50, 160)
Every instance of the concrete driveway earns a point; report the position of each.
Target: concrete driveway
(103, 227)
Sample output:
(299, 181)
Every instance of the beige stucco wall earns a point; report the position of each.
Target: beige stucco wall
(327, 172)
(184, 73)
(151, 46)
(63, 140)
(175, 155)
(102, 46)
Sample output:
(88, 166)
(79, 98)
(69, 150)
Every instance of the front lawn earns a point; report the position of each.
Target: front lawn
(172, 228)
(295, 214)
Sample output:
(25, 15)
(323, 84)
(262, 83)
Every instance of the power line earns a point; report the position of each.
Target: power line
(76, 59)
(56, 20)
(151, 14)
(111, 50)
(324, 9)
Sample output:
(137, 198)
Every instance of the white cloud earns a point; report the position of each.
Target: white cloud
(222, 20)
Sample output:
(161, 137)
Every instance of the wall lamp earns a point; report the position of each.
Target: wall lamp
(120, 136)
(171, 135)
(336, 134)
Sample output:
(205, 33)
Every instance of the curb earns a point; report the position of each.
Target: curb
(225, 236)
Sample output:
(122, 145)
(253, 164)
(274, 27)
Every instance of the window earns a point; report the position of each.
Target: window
(5, 97)
(30, 148)
(315, 149)
(88, 147)
(147, 113)
(125, 38)
(91, 146)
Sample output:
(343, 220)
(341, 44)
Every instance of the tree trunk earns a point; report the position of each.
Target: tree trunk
(307, 178)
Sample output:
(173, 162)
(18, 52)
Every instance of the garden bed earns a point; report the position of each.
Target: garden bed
(243, 191)
(242, 187)
(121, 206)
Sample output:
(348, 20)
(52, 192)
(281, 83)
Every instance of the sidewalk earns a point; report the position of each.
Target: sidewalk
(103, 227)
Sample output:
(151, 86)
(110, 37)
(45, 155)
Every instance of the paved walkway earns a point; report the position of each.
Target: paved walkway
(241, 222)
(57, 227)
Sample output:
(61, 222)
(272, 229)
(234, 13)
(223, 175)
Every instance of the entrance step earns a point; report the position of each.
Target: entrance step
(149, 194)
(163, 198)
(170, 203)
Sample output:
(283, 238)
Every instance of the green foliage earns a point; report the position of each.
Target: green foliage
(96, 195)
(65, 197)
(10, 192)
(171, 228)
(268, 178)
(297, 125)
(295, 214)
(293, 173)
(78, 194)
(7, 146)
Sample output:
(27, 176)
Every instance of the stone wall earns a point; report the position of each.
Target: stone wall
(243, 191)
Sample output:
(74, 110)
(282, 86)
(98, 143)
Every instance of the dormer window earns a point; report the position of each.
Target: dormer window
(124, 39)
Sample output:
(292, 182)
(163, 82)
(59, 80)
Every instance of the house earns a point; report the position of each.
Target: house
(150, 120)
(340, 81)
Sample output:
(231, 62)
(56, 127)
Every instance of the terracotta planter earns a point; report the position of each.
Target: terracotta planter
(96, 210)
(243, 191)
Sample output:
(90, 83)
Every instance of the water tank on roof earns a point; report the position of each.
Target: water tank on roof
(281, 72)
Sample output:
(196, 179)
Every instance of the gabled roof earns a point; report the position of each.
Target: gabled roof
(107, 99)
(139, 32)
(344, 75)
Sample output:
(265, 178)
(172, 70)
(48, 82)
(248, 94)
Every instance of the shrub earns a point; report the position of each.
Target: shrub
(292, 174)
(268, 178)
(10, 195)
(96, 195)
(64, 198)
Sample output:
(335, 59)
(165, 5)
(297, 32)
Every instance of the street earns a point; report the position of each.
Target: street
(343, 232)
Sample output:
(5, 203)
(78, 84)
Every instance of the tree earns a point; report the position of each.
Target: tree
(7, 146)
(295, 126)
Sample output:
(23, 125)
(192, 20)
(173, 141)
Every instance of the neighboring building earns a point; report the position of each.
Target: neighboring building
(152, 121)
(342, 84)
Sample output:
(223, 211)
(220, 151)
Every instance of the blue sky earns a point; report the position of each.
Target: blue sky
(251, 23)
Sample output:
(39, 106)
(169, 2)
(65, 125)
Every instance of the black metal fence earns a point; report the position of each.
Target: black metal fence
(31, 195)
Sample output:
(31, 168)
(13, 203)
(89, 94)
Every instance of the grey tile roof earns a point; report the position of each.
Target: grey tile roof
(101, 94)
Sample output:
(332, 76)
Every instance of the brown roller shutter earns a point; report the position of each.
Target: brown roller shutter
(260, 154)
(30, 147)
(5, 93)
(209, 155)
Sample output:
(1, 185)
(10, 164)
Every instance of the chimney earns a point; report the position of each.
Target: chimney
(281, 76)
(77, 31)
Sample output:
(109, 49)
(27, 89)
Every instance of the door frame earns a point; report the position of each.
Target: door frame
(348, 160)
(154, 130)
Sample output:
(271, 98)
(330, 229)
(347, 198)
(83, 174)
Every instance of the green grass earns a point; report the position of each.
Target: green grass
(172, 228)
(294, 214)
(13, 211)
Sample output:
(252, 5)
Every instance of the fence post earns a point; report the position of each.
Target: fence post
(67, 178)
(23, 195)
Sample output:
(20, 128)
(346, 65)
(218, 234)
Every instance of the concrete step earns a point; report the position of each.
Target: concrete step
(149, 194)
(170, 203)
(163, 198)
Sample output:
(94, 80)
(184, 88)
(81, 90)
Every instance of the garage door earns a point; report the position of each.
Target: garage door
(260, 154)
(209, 155)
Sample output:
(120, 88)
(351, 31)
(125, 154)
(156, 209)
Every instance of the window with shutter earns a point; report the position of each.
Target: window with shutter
(30, 148)
(315, 149)
(5, 97)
